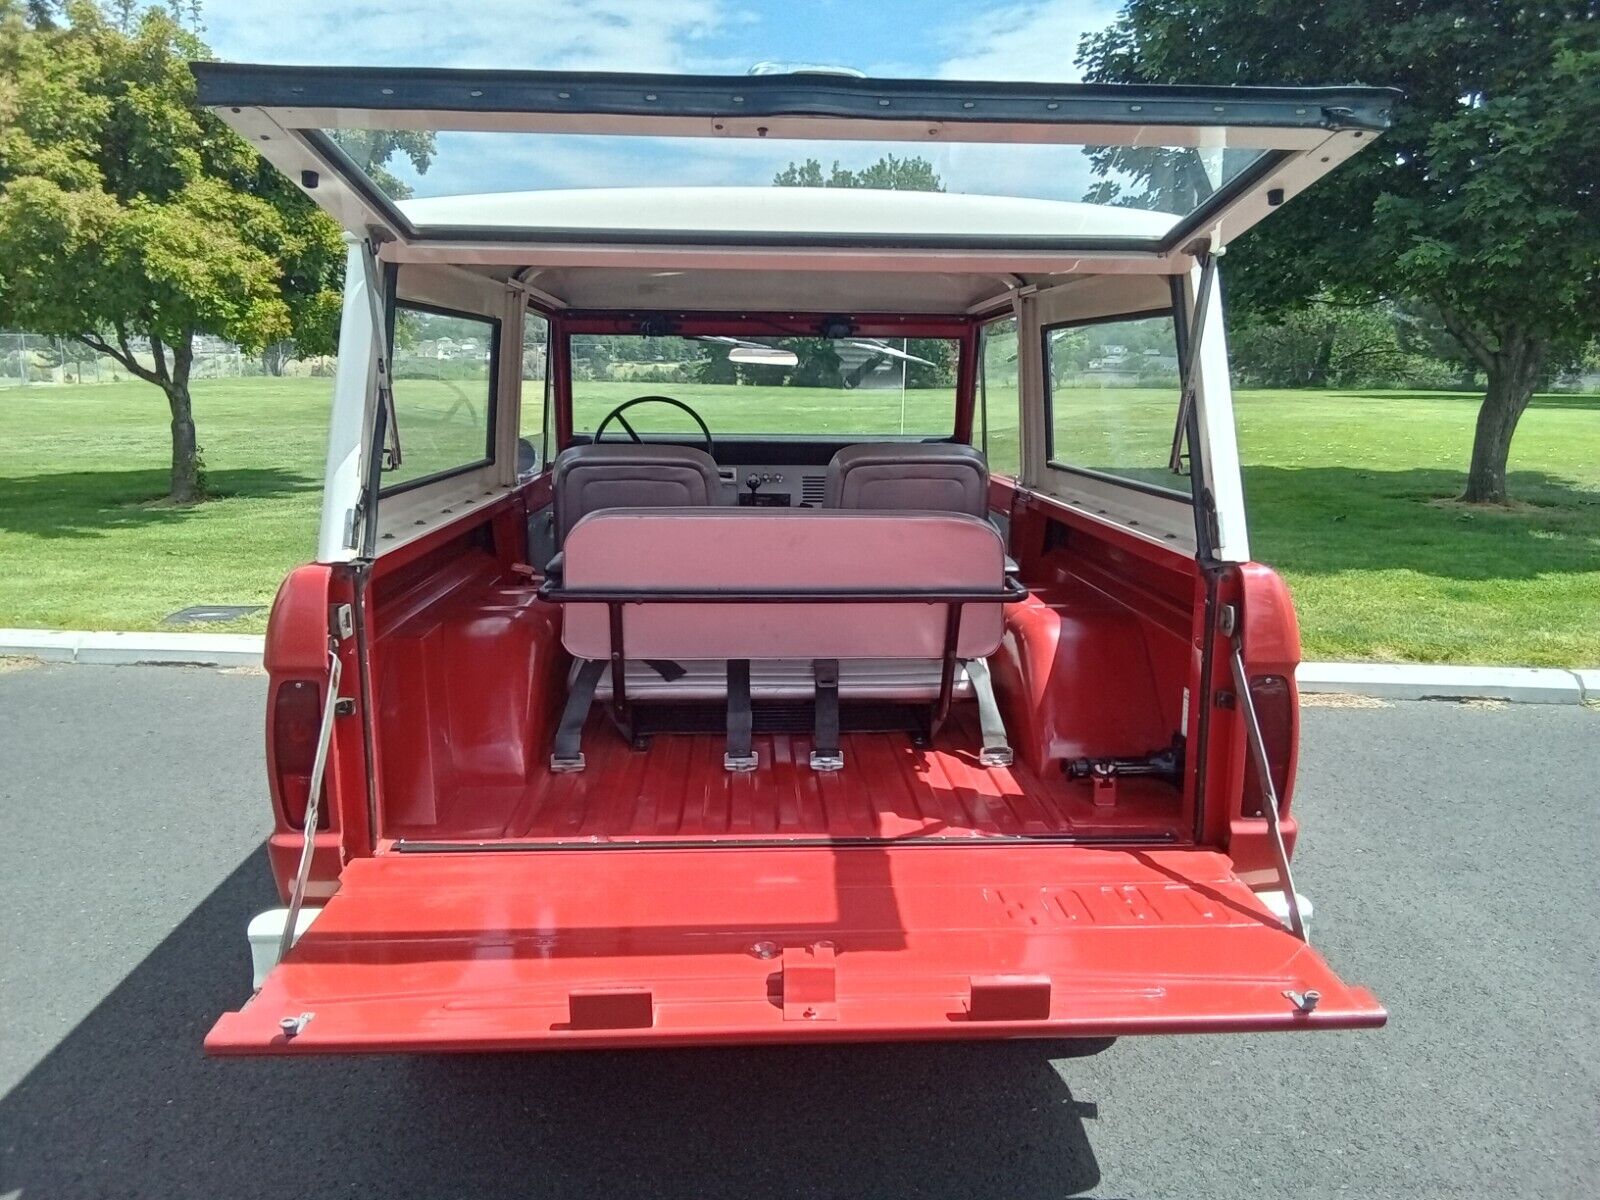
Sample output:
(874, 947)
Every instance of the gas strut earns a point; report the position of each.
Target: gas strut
(1164, 764)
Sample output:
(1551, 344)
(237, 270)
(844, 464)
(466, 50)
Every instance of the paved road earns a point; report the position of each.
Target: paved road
(1451, 850)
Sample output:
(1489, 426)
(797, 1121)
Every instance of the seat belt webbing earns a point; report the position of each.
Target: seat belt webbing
(996, 751)
(568, 752)
(826, 754)
(739, 755)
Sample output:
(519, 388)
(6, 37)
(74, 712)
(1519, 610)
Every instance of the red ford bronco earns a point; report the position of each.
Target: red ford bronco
(748, 613)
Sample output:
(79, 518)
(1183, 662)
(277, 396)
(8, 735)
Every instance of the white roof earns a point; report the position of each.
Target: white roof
(779, 210)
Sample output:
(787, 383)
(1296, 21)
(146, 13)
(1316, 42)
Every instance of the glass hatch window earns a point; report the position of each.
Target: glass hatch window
(797, 386)
(1166, 183)
(1058, 165)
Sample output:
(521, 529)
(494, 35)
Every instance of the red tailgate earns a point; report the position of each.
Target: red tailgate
(542, 949)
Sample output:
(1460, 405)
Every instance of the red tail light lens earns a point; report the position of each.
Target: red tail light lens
(296, 721)
(1274, 703)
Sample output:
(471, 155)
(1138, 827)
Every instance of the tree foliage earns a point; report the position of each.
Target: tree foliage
(132, 220)
(1482, 202)
(890, 173)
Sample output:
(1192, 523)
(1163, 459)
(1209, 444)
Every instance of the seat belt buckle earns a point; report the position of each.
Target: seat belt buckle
(566, 764)
(996, 756)
(741, 762)
(827, 760)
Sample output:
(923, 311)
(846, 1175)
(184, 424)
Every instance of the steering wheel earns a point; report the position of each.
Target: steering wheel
(616, 415)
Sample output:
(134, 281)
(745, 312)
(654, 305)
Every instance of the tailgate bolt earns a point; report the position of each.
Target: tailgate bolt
(291, 1026)
(1306, 1001)
(765, 950)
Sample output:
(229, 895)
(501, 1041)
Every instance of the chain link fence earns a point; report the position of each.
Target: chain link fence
(38, 360)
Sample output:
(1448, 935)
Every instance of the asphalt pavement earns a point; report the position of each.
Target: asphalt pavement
(1451, 851)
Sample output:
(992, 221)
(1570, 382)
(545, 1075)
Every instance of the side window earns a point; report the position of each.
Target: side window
(532, 450)
(1112, 391)
(443, 381)
(999, 400)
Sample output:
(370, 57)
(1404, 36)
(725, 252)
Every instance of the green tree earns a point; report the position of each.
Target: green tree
(133, 221)
(1482, 202)
(889, 173)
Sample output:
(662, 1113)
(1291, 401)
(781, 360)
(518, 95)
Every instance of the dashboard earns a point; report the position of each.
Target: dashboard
(773, 485)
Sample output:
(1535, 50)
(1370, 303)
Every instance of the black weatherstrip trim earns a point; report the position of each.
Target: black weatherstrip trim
(837, 843)
(647, 95)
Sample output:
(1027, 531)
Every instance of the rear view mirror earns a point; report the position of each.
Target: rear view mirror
(764, 356)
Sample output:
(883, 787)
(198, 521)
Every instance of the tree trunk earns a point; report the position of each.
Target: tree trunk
(276, 357)
(1513, 374)
(187, 486)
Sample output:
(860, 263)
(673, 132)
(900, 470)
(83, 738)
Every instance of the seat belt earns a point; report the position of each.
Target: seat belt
(739, 755)
(996, 751)
(568, 752)
(826, 754)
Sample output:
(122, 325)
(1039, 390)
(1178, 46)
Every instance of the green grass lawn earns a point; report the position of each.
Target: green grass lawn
(1343, 489)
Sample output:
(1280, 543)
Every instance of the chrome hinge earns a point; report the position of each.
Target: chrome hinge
(1227, 620)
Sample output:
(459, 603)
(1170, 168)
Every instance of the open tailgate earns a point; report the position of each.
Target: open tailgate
(498, 950)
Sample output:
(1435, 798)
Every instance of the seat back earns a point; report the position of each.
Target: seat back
(930, 476)
(776, 550)
(625, 475)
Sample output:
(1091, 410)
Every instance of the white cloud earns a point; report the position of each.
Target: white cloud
(598, 35)
(1034, 40)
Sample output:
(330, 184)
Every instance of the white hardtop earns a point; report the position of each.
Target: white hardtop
(774, 210)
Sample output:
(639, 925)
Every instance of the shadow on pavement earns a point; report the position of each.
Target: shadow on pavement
(126, 1104)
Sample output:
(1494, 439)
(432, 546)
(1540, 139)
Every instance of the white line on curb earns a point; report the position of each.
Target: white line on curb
(193, 649)
(1390, 681)
(1427, 681)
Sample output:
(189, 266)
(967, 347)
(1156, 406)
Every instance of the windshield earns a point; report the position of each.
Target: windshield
(800, 386)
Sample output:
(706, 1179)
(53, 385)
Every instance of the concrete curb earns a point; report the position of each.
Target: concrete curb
(1388, 681)
(1427, 681)
(121, 649)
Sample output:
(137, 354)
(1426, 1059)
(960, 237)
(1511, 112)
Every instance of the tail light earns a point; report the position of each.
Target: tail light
(1275, 705)
(296, 722)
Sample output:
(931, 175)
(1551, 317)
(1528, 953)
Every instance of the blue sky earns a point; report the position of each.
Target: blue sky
(994, 39)
(977, 39)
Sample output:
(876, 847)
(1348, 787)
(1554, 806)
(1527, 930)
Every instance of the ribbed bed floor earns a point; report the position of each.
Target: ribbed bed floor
(677, 789)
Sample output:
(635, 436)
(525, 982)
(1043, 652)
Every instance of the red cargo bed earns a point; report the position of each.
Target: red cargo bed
(677, 789)
(501, 949)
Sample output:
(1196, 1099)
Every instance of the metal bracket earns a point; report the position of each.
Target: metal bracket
(566, 764)
(810, 983)
(1227, 620)
(1305, 1002)
(741, 762)
(827, 762)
